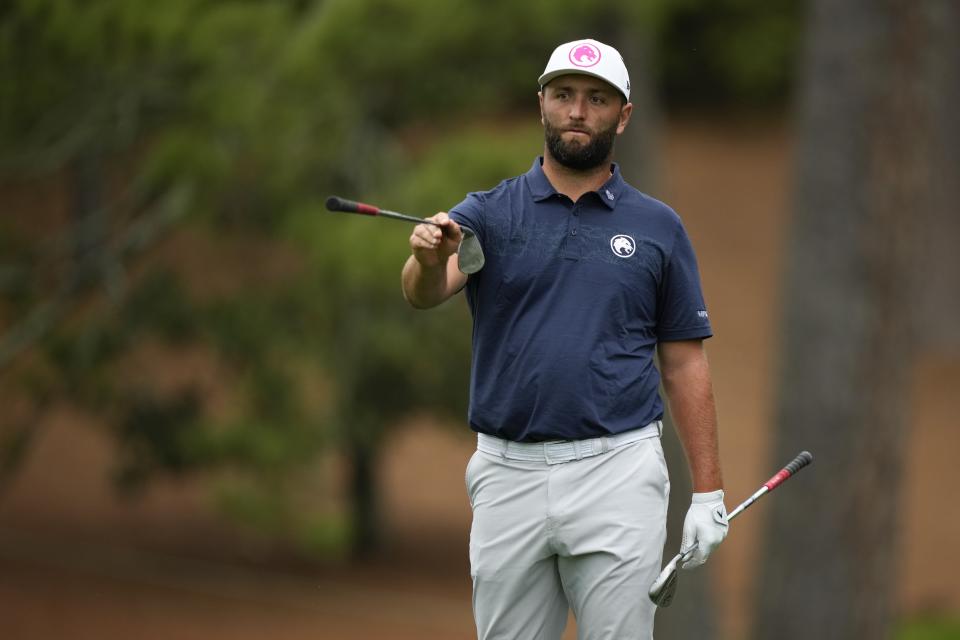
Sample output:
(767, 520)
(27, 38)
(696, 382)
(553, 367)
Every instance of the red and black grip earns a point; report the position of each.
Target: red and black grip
(803, 459)
(335, 203)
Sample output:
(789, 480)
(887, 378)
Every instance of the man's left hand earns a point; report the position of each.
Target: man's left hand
(705, 526)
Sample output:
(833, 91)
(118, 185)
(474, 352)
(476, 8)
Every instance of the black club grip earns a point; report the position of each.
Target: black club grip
(803, 459)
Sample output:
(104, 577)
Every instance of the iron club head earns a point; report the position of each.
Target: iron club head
(665, 586)
(470, 254)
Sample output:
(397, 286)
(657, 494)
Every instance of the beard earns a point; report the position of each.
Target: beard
(577, 156)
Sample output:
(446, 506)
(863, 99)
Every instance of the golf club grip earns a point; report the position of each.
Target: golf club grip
(803, 459)
(335, 203)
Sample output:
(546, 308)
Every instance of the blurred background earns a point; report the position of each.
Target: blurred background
(220, 418)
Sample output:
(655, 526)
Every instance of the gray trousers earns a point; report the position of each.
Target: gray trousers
(567, 525)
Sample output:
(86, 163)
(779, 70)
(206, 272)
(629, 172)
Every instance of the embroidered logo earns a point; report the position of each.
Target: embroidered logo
(584, 55)
(622, 246)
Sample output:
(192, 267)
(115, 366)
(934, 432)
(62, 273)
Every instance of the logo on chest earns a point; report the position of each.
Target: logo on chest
(622, 246)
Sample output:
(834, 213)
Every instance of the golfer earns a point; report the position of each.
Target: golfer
(585, 279)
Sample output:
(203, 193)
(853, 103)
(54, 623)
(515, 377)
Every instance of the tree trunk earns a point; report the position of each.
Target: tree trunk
(940, 263)
(364, 498)
(863, 197)
(637, 147)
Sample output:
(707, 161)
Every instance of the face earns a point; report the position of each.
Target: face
(582, 117)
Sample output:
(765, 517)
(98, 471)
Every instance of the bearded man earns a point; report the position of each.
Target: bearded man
(586, 279)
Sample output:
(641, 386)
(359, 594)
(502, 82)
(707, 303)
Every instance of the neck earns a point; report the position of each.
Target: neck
(571, 182)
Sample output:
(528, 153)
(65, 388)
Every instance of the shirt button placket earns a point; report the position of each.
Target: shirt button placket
(572, 242)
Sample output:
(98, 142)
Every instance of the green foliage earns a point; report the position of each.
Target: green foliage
(153, 435)
(435, 56)
(16, 253)
(385, 359)
(475, 159)
(160, 305)
(728, 52)
(78, 358)
(324, 537)
(81, 75)
(929, 629)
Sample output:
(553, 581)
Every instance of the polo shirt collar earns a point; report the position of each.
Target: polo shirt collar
(541, 189)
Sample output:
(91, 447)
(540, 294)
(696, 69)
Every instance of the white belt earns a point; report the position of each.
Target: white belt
(558, 451)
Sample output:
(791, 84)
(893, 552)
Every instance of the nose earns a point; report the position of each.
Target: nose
(578, 108)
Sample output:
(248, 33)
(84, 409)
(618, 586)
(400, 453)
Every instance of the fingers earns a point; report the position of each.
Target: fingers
(425, 236)
(434, 236)
(705, 546)
(450, 229)
(689, 543)
(434, 243)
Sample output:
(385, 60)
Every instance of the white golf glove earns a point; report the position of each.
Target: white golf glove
(705, 526)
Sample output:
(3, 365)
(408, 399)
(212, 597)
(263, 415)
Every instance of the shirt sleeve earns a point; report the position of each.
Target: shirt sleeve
(682, 310)
(469, 213)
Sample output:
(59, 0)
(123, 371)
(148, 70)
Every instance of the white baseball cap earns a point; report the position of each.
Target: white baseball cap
(591, 58)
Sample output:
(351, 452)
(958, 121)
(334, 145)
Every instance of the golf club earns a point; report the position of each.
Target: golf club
(665, 586)
(470, 257)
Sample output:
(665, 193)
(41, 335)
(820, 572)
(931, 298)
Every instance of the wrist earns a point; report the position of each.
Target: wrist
(707, 497)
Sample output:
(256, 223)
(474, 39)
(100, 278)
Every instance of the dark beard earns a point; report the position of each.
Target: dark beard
(577, 156)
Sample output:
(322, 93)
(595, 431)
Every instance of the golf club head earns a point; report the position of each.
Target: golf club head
(470, 254)
(661, 593)
(665, 586)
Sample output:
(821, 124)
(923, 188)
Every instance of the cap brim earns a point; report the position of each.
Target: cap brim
(547, 77)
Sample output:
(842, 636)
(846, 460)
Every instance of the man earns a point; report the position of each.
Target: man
(585, 278)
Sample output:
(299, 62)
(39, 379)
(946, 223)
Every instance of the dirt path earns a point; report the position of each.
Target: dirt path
(103, 592)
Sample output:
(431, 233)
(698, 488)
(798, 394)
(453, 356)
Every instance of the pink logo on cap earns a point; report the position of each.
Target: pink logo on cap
(584, 55)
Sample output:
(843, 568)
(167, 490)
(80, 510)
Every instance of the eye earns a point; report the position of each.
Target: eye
(598, 100)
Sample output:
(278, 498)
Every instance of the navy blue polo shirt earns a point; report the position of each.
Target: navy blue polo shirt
(570, 305)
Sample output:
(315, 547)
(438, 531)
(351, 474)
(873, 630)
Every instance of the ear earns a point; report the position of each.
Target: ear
(625, 112)
(540, 99)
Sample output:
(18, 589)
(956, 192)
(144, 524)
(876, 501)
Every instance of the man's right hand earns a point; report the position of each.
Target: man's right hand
(431, 245)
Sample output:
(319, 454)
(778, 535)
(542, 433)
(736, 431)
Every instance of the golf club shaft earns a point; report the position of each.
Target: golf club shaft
(349, 206)
(803, 459)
